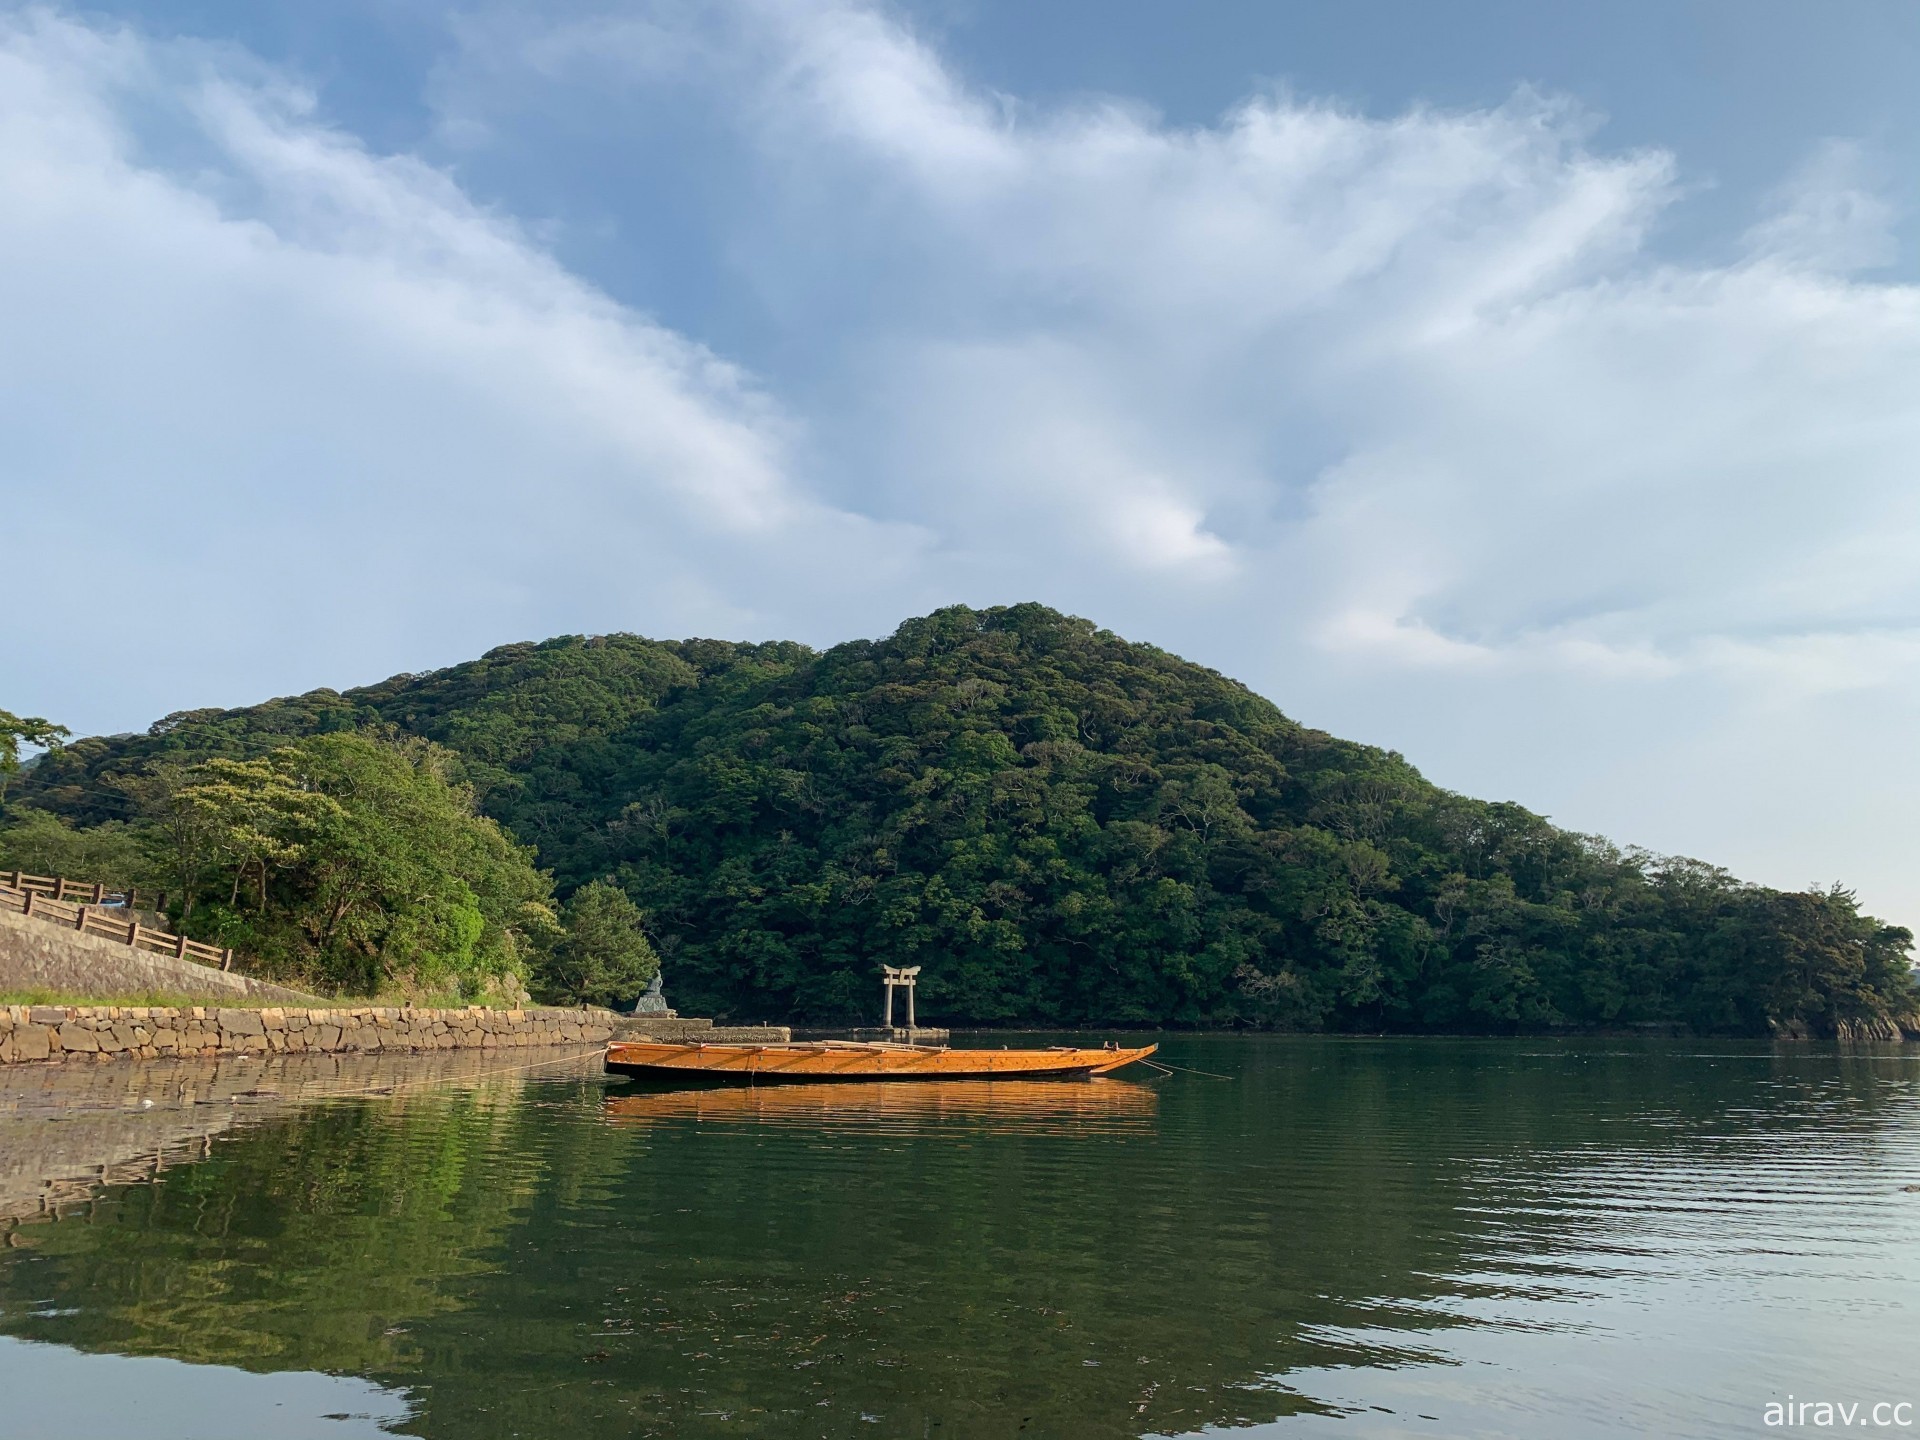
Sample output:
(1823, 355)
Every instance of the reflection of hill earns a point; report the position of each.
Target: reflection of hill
(1091, 1262)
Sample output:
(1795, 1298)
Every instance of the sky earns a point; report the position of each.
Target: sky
(1532, 390)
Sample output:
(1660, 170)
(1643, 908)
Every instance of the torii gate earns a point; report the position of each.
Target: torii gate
(899, 977)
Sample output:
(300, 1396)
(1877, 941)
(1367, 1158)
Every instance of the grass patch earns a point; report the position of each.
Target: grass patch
(142, 997)
(247, 1002)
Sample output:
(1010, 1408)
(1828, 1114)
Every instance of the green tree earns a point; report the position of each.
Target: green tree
(398, 880)
(185, 831)
(18, 730)
(603, 957)
(115, 853)
(256, 816)
(350, 861)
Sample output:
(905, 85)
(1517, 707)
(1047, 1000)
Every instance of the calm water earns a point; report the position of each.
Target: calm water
(1346, 1238)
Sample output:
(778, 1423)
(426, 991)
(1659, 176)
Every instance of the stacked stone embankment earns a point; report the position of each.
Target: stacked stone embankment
(148, 1032)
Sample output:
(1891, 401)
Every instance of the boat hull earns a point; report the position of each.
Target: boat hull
(804, 1064)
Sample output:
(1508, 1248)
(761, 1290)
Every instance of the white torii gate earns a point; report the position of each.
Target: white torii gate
(899, 977)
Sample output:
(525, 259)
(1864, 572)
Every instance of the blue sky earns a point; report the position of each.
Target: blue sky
(1530, 389)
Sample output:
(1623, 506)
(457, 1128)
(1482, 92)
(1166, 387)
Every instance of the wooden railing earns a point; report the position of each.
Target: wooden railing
(92, 909)
(55, 887)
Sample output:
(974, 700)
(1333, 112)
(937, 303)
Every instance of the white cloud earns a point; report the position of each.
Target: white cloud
(1831, 217)
(317, 402)
(1403, 419)
(1533, 444)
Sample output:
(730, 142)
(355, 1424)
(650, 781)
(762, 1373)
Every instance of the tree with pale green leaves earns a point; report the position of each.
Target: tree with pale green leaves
(257, 817)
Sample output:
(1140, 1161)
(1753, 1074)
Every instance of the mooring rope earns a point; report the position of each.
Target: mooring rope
(1184, 1070)
(431, 1080)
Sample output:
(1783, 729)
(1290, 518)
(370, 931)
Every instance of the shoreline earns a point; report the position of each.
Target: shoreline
(68, 1130)
(32, 1034)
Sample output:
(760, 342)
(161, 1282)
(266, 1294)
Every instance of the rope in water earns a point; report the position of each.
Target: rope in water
(455, 1078)
(1162, 1065)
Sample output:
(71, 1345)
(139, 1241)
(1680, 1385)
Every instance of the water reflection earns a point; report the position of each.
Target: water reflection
(1005, 1106)
(54, 1393)
(1499, 1236)
(67, 1130)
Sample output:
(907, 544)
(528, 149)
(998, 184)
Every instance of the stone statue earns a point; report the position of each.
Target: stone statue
(653, 1002)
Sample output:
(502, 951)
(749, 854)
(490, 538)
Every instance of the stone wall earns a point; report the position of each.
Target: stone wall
(146, 1032)
(36, 955)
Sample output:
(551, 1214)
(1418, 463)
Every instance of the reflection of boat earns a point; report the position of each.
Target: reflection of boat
(811, 1063)
(995, 1103)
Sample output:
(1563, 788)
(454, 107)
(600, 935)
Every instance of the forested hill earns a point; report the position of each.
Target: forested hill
(1061, 827)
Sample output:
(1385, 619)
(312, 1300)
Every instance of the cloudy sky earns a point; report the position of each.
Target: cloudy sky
(1534, 393)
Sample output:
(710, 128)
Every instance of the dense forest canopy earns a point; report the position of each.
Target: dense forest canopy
(1060, 826)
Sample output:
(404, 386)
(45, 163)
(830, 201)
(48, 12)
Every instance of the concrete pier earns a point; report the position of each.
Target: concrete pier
(898, 1034)
(686, 1031)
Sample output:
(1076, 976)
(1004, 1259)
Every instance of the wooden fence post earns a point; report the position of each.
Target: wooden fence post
(29, 909)
(60, 888)
(14, 883)
(133, 932)
(179, 947)
(226, 958)
(99, 892)
(80, 917)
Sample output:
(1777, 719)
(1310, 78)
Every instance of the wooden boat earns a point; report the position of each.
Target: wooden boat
(821, 1060)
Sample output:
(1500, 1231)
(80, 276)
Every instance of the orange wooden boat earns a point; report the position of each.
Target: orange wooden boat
(812, 1062)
